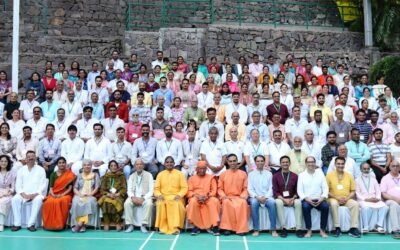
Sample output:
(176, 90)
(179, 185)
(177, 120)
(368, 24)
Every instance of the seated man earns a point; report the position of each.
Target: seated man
(203, 206)
(232, 190)
(140, 194)
(313, 190)
(369, 197)
(342, 189)
(169, 190)
(284, 186)
(391, 194)
(29, 187)
(260, 192)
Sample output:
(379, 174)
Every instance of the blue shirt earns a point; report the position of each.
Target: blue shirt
(167, 93)
(262, 128)
(49, 110)
(49, 150)
(358, 151)
(98, 111)
(260, 183)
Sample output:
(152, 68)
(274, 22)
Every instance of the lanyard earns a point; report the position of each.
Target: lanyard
(111, 122)
(120, 147)
(70, 108)
(298, 157)
(255, 151)
(287, 180)
(139, 180)
(145, 145)
(212, 148)
(112, 182)
(396, 181)
(365, 185)
(168, 147)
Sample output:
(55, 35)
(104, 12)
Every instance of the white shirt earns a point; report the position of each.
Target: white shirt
(27, 107)
(72, 150)
(350, 166)
(82, 97)
(138, 187)
(113, 84)
(214, 152)
(110, 127)
(98, 150)
(205, 100)
(235, 147)
(395, 151)
(338, 79)
(205, 127)
(256, 69)
(296, 128)
(31, 182)
(319, 131)
(118, 64)
(288, 101)
(16, 128)
(72, 110)
(172, 148)
(234, 78)
(251, 150)
(317, 71)
(85, 128)
(167, 112)
(240, 108)
(200, 79)
(25, 146)
(121, 152)
(102, 93)
(260, 108)
(348, 114)
(260, 184)
(276, 151)
(313, 149)
(61, 128)
(38, 128)
(156, 62)
(312, 186)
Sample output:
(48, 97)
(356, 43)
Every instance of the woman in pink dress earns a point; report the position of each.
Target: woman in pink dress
(179, 134)
(172, 83)
(182, 66)
(233, 87)
(7, 188)
(177, 111)
(185, 94)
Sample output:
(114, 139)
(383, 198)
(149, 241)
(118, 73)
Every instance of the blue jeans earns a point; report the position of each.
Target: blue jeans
(255, 206)
(323, 207)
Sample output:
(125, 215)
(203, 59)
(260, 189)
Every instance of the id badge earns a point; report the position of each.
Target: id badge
(134, 136)
(113, 190)
(361, 137)
(340, 187)
(341, 135)
(190, 157)
(184, 105)
(286, 193)
(145, 154)
(50, 152)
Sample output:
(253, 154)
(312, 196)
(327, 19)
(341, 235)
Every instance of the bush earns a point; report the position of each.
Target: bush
(390, 68)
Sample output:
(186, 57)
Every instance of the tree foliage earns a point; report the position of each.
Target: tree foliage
(389, 67)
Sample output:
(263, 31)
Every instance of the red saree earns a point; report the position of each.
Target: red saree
(55, 210)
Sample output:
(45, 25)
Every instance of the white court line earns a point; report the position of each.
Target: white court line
(174, 242)
(313, 242)
(75, 238)
(246, 246)
(145, 242)
(217, 243)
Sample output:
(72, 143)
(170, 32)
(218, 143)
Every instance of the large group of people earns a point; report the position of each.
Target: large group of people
(216, 144)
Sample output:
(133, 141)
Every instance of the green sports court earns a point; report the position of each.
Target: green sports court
(99, 240)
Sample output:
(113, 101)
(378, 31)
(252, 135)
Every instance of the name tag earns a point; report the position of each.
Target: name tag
(134, 135)
(184, 105)
(145, 154)
(286, 193)
(361, 137)
(113, 190)
(339, 187)
(341, 135)
(195, 118)
(190, 157)
(50, 152)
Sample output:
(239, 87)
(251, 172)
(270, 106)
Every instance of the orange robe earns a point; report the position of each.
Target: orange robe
(203, 215)
(55, 210)
(235, 211)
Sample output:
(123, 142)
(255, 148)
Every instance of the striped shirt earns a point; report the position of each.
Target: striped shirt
(379, 152)
(365, 130)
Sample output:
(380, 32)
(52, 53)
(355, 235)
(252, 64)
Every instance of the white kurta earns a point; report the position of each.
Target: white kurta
(72, 151)
(99, 151)
(214, 153)
(38, 127)
(172, 148)
(85, 127)
(110, 127)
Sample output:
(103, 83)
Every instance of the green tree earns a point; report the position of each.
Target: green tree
(389, 67)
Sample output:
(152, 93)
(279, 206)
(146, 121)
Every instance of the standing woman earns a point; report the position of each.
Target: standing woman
(83, 78)
(113, 190)
(49, 82)
(226, 95)
(5, 86)
(8, 144)
(7, 188)
(57, 203)
(74, 71)
(36, 85)
(84, 203)
(314, 87)
(177, 111)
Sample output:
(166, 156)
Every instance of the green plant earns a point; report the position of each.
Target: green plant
(389, 67)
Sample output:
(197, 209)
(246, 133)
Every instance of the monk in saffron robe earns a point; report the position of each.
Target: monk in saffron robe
(58, 202)
(203, 206)
(232, 190)
(170, 189)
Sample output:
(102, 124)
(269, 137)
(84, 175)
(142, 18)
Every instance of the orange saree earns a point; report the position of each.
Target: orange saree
(55, 210)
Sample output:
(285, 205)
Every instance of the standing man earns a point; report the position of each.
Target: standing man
(326, 111)
(98, 150)
(380, 155)
(363, 127)
(329, 151)
(169, 147)
(191, 153)
(29, 187)
(342, 189)
(169, 190)
(72, 149)
(112, 123)
(213, 152)
(121, 152)
(203, 207)
(313, 190)
(209, 123)
(232, 190)
(140, 195)
(235, 106)
(49, 150)
(341, 127)
(277, 108)
(358, 150)
(85, 125)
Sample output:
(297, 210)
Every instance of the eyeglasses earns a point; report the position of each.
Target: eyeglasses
(135, 115)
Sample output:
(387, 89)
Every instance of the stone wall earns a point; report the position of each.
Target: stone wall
(221, 40)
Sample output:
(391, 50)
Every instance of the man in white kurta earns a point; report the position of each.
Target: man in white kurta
(72, 149)
(253, 148)
(73, 109)
(169, 147)
(121, 152)
(234, 146)
(191, 153)
(111, 124)
(37, 123)
(26, 107)
(311, 147)
(209, 123)
(98, 150)
(61, 125)
(350, 165)
(277, 148)
(205, 97)
(29, 187)
(235, 106)
(140, 196)
(213, 152)
(85, 125)
(23, 146)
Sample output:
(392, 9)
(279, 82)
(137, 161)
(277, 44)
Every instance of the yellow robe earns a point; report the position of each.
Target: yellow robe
(170, 213)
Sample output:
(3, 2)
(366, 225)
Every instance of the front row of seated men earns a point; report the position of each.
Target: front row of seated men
(213, 203)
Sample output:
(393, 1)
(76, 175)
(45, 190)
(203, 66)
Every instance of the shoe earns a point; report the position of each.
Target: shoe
(353, 232)
(365, 230)
(129, 229)
(143, 229)
(76, 229)
(227, 232)
(15, 228)
(1, 228)
(380, 230)
(83, 229)
(32, 228)
(299, 234)
(338, 232)
(215, 231)
(195, 231)
(256, 233)
(283, 233)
